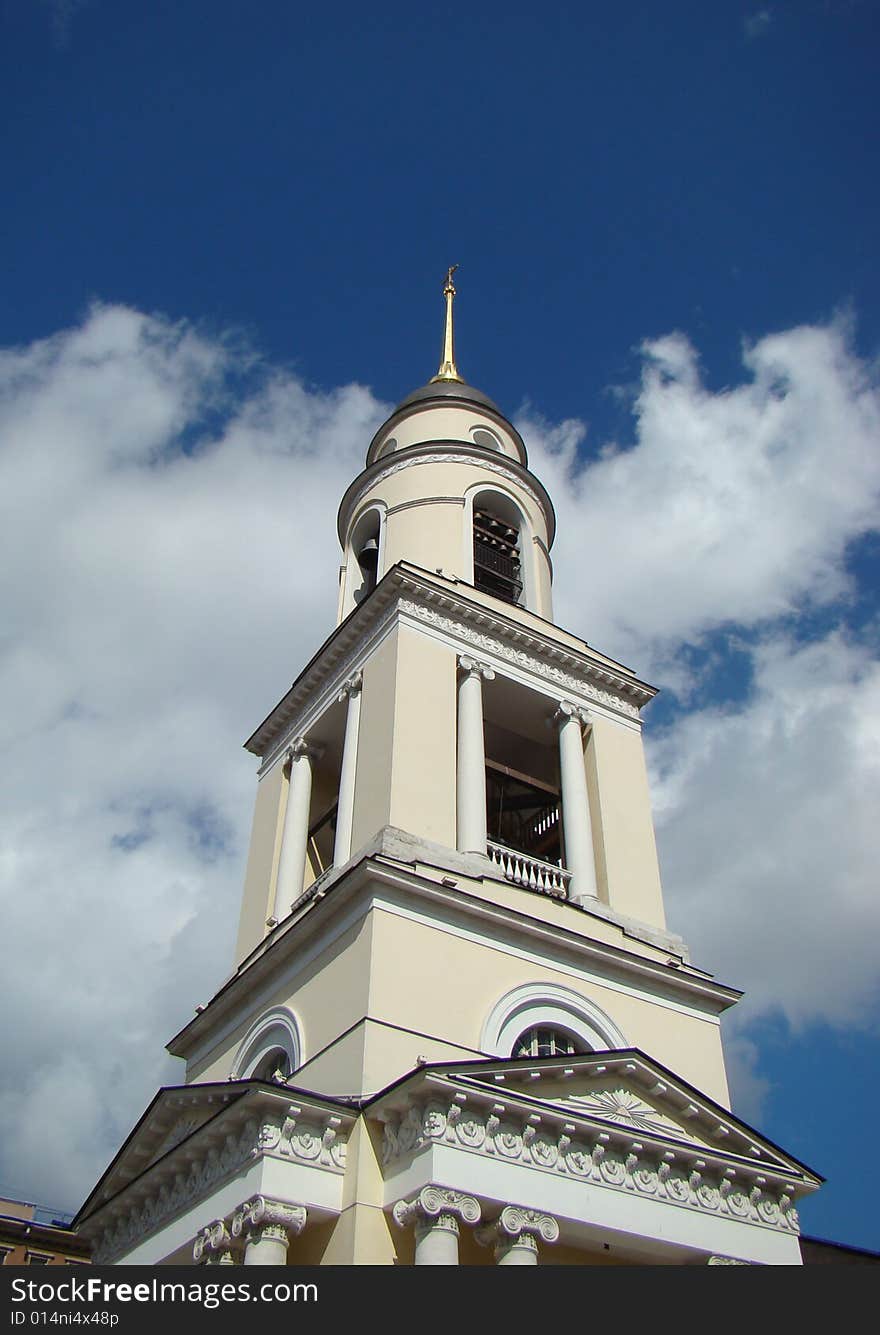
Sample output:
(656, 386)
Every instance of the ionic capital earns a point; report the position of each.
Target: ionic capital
(213, 1244)
(437, 1205)
(472, 668)
(300, 749)
(351, 686)
(260, 1213)
(566, 710)
(517, 1226)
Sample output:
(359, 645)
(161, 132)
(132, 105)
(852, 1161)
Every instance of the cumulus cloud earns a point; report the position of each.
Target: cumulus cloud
(733, 507)
(168, 508)
(169, 565)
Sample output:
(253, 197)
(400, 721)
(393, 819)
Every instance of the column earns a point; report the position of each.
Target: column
(515, 1233)
(294, 840)
(345, 810)
(576, 824)
(267, 1227)
(471, 773)
(435, 1212)
(213, 1246)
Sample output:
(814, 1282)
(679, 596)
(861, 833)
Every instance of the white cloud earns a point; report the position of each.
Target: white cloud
(730, 508)
(766, 822)
(169, 565)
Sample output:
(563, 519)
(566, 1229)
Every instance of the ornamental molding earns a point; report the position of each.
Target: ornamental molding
(475, 628)
(516, 475)
(505, 651)
(687, 1177)
(295, 1135)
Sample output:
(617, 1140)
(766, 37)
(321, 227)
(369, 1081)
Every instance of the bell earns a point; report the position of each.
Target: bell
(368, 556)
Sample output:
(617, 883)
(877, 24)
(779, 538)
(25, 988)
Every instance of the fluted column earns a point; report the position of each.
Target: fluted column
(515, 1233)
(580, 857)
(267, 1227)
(213, 1246)
(435, 1213)
(294, 840)
(345, 810)
(471, 768)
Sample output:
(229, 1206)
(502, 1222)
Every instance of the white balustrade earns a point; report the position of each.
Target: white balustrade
(530, 873)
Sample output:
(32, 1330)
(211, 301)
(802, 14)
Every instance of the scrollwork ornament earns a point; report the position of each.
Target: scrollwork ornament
(708, 1195)
(646, 1177)
(470, 1131)
(577, 1161)
(677, 1188)
(613, 1168)
(509, 1142)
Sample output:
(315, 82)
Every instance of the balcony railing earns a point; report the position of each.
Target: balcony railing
(530, 873)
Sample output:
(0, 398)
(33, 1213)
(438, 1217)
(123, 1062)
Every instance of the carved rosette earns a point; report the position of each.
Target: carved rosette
(436, 1207)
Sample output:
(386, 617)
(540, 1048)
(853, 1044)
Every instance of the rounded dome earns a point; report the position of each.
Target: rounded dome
(448, 389)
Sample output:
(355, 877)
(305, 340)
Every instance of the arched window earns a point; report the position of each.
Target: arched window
(544, 1041)
(363, 566)
(497, 553)
(270, 1050)
(541, 1015)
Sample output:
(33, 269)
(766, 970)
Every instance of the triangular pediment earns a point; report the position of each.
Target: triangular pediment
(621, 1093)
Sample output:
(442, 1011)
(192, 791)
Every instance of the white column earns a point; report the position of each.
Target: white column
(471, 775)
(267, 1227)
(435, 1213)
(345, 810)
(515, 1233)
(292, 862)
(580, 858)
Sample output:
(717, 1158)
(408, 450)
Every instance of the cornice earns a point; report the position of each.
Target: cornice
(346, 895)
(263, 1124)
(445, 451)
(405, 590)
(442, 1109)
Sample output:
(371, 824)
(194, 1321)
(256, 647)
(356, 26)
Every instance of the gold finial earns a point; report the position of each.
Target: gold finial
(447, 366)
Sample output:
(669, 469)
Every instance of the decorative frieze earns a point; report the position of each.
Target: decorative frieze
(292, 1136)
(544, 667)
(608, 1159)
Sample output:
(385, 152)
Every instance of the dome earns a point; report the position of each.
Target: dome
(448, 389)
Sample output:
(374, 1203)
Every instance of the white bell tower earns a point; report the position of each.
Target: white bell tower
(455, 999)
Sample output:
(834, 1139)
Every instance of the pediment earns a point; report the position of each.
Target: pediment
(627, 1092)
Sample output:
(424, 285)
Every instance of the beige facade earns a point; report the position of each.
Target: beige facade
(458, 1030)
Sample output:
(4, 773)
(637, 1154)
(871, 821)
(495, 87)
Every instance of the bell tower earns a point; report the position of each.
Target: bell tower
(452, 944)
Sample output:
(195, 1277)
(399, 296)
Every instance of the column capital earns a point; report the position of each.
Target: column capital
(261, 1213)
(471, 667)
(213, 1244)
(565, 710)
(517, 1226)
(300, 749)
(432, 1203)
(351, 686)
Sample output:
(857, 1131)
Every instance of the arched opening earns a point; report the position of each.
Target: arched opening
(363, 564)
(497, 557)
(270, 1050)
(547, 1041)
(533, 1018)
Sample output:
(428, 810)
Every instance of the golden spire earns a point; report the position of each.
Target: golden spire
(447, 366)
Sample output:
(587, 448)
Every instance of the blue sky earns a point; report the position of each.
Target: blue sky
(224, 235)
